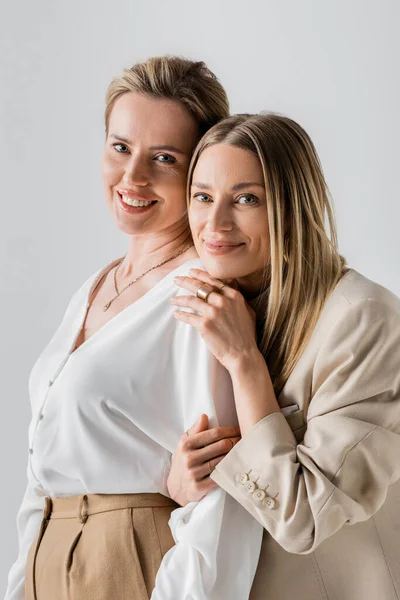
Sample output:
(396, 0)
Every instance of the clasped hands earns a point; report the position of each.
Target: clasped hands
(227, 325)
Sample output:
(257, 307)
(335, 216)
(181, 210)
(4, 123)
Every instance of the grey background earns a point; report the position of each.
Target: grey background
(331, 65)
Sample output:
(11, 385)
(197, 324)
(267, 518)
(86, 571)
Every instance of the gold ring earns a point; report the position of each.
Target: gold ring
(232, 442)
(187, 433)
(222, 286)
(204, 291)
(209, 466)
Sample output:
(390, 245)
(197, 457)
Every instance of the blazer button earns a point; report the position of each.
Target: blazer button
(250, 486)
(269, 502)
(241, 478)
(259, 495)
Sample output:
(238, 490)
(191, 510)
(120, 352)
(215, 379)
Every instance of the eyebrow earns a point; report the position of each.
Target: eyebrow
(166, 148)
(237, 187)
(118, 137)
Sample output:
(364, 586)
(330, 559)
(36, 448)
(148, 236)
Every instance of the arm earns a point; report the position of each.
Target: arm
(31, 510)
(217, 541)
(28, 523)
(216, 552)
(340, 473)
(199, 451)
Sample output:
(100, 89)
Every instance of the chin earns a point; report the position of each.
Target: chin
(128, 228)
(221, 270)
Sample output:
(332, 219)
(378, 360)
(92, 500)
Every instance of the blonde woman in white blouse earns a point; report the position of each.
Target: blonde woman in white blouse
(121, 378)
(322, 479)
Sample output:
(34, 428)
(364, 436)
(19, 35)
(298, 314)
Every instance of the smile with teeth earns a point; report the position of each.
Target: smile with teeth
(133, 202)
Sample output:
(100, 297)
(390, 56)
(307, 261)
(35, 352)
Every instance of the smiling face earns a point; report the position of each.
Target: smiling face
(146, 157)
(228, 213)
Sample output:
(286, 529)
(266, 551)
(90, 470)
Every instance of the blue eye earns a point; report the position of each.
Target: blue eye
(165, 158)
(248, 199)
(121, 148)
(202, 197)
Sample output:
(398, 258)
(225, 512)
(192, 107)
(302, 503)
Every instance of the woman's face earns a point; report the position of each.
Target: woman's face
(228, 213)
(146, 157)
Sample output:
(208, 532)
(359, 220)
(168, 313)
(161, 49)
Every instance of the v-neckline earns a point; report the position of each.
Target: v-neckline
(95, 282)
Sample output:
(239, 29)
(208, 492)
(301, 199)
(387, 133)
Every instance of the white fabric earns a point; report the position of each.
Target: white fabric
(113, 412)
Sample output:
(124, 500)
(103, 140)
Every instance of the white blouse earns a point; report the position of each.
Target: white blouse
(106, 419)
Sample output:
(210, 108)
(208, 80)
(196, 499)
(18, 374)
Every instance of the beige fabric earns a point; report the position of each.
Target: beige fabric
(332, 468)
(99, 547)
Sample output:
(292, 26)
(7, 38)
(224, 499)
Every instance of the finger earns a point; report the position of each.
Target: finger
(213, 450)
(193, 303)
(200, 425)
(193, 285)
(195, 320)
(205, 438)
(224, 287)
(208, 467)
(188, 283)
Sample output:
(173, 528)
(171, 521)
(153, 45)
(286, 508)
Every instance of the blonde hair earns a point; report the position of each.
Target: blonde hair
(305, 264)
(188, 82)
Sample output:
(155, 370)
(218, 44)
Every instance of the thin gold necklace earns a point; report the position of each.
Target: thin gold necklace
(118, 293)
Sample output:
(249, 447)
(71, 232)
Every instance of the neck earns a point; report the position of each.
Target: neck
(251, 285)
(148, 249)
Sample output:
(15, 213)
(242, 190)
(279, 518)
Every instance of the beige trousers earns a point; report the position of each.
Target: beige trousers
(99, 547)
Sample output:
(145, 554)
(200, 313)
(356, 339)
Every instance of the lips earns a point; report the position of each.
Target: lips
(219, 247)
(134, 204)
(222, 243)
(131, 198)
(133, 194)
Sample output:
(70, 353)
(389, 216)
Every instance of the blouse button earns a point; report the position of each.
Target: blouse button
(269, 502)
(250, 487)
(259, 495)
(30, 450)
(241, 478)
(50, 382)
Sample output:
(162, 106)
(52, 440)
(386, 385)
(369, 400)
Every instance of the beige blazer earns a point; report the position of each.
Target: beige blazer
(324, 481)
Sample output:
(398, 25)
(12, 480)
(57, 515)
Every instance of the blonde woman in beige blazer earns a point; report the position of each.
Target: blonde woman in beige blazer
(318, 401)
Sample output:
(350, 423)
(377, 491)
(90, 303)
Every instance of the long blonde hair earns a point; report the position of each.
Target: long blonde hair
(189, 82)
(305, 264)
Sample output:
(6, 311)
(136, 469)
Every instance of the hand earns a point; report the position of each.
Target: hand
(196, 455)
(226, 323)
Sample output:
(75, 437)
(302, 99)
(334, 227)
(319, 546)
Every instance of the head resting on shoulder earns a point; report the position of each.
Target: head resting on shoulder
(284, 225)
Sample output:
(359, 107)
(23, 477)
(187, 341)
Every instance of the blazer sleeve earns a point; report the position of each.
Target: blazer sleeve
(340, 473)
(28, 523)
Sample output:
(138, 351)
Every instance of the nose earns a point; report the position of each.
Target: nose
(219, 218)
(136, 172)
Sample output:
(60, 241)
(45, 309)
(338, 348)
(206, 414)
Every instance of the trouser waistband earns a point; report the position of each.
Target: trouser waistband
(84, 505)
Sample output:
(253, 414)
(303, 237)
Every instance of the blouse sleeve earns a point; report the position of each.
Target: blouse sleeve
(217, 541)
(341, 472)
(216, 552)
(31, 510)
(28, 524)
